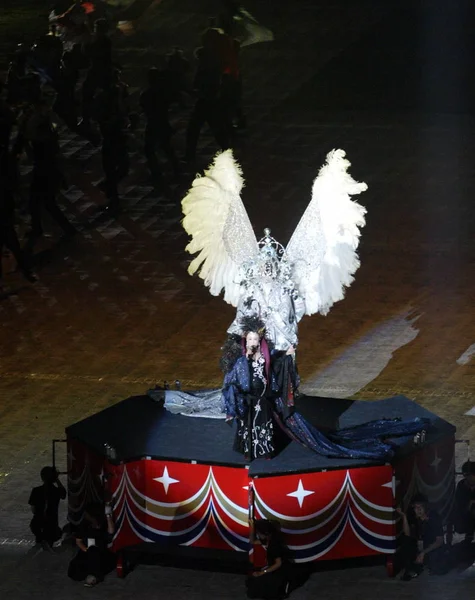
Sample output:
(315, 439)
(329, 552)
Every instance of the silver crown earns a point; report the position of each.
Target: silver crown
(269, 265)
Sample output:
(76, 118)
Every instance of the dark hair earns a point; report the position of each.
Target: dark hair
(230, 352)
(266, 528)
(48, 474)
(420, 499)
(101, 25)
(468, 468)
(153, 75)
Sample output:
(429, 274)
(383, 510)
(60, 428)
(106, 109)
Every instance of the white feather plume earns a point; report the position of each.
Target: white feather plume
(222, 235)
(323, 247)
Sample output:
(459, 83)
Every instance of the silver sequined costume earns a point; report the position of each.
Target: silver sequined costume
(268, 292)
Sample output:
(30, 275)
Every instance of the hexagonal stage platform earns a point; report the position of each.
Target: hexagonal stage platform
(179, 488)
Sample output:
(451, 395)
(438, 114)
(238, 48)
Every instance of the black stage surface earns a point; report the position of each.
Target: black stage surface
(140, 426)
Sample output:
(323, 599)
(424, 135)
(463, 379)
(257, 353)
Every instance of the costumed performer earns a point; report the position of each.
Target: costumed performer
(278, 285)
(259, 389)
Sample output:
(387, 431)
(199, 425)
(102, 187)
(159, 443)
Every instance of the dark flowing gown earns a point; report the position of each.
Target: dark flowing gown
(370, 441)
(255, 428)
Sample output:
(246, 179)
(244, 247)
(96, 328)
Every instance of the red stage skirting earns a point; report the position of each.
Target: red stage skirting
(339, 511)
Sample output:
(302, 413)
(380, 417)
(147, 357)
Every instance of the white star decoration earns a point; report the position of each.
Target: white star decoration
(435, 463)
(300, 493)
(166, 480)
(392, 485)
(71, 457)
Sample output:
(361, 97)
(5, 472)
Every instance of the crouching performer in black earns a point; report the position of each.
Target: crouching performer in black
(422, 543)
(93, 537)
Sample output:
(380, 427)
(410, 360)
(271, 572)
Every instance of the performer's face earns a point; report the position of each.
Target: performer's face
(252, 340)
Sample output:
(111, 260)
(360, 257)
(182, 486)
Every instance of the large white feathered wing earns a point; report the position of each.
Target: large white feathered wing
(322, 249)
(222, 235)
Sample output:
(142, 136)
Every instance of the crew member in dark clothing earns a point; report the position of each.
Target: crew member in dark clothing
(65, 85)
(271, 582)
(210, 104)
(155, 102)
(8, 236)
(463, 514)
(99, 54)
(94, 559)
(17, 72)
(178, 68)
(44, 501)
(37, 131)
(112, 115)
(422, 544)
(46, 55)
(7, 120)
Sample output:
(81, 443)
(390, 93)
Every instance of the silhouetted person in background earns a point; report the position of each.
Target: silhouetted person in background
(44, 501)
(38, 136)
(46, 54)
(112, 114)
(99, 54)
(65, 85)
(210, 104)
(463, 514)
(155, 102)
(178, 69)
(232, 79)
(16, 77)
(7, 120)
(8, 236)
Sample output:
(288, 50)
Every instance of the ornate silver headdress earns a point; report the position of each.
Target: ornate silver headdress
(270, 265)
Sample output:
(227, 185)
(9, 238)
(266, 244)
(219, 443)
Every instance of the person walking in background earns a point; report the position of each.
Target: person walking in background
(99, 54)
(210, 102)
(7, 121)
(65, 105)
(38, 134)
(44, 502)
(8, 236)
(112, 114)
(155, 102)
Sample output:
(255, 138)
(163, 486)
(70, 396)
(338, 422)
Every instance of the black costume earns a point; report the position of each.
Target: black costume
(463, 515)
(155, 102)
(38, 131)
(423, 534)
(45, 502)
(8, 236)
(112, 117)
(98, 560)
(255, 431)
(210, 106)
(270, 586)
